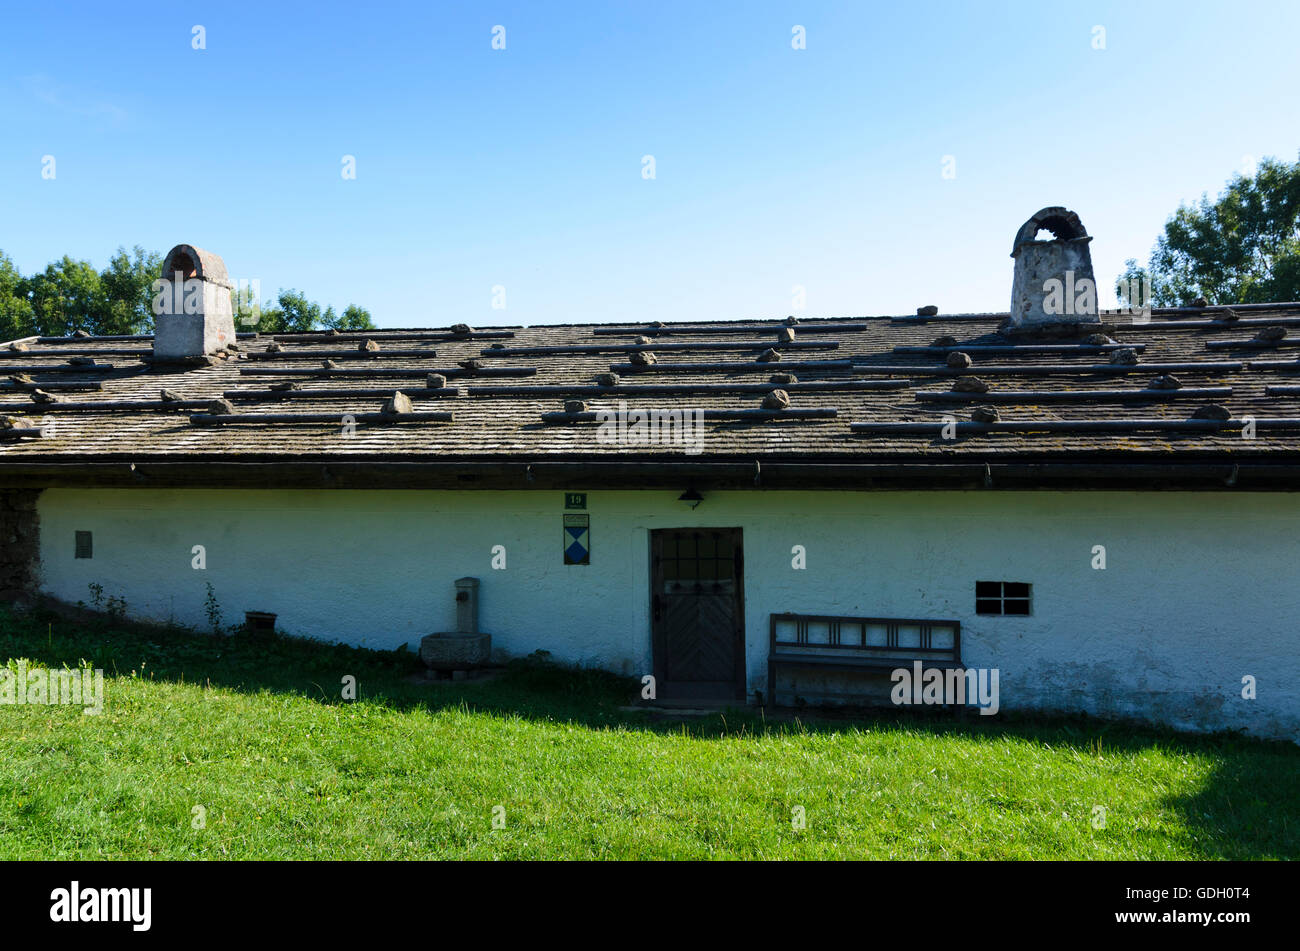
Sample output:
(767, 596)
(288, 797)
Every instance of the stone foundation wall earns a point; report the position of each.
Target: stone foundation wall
(20, 543)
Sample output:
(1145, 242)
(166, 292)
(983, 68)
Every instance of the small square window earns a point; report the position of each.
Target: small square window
(1003, 597)
(85, 546)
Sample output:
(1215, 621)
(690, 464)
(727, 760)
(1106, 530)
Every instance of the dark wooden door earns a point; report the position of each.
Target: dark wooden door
(697, 612)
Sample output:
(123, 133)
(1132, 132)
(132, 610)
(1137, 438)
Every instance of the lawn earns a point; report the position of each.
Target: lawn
(231, 747)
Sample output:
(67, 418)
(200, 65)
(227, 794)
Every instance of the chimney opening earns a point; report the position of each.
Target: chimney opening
(183, 263)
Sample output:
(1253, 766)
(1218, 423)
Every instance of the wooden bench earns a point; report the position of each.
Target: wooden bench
(829, 642)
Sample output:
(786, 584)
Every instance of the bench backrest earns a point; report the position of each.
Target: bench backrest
(875, 638)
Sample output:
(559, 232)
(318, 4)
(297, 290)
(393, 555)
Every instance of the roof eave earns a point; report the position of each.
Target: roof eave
(1093, 472)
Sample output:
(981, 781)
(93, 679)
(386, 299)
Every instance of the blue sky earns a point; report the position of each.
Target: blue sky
(522, 168)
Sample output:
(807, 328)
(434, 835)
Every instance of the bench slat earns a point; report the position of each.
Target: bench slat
(867, 664)
(837, 655)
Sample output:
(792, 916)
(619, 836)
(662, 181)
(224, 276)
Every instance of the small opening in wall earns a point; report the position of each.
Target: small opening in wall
(85, 545)
(1003, 597)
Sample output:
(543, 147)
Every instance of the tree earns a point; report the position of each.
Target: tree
(298, 314)
(292, 312)
(17, 319)
(1244, 248)
(353, 318)
(67, 297)
(127, 288)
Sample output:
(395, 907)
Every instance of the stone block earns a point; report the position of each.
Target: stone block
(455, 651)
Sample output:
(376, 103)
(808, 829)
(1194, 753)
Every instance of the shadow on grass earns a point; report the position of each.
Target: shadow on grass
(1248, 808)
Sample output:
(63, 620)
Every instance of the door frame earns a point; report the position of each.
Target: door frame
(658, 647)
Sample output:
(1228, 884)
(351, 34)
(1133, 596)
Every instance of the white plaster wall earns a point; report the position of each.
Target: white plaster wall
(1199, 590)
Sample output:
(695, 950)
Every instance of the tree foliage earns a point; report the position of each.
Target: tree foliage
(71, 295)
(352, 318)
(292, 312)
(127, 286)
(17, 319)
(1243, 248)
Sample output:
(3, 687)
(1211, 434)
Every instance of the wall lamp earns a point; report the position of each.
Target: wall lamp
(690, 495)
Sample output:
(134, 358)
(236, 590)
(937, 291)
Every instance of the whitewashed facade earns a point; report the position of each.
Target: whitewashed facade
(1199, 590)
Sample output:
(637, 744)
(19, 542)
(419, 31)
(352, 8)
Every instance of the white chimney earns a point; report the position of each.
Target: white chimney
(193, 312)
(1053, 288)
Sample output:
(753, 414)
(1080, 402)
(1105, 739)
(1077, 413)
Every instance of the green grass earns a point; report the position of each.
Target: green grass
(257, 734)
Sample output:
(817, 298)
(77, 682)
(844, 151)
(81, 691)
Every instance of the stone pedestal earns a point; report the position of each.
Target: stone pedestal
(455, 651)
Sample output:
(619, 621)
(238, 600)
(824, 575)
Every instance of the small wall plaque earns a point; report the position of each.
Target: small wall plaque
(577, 539)
(575, 500)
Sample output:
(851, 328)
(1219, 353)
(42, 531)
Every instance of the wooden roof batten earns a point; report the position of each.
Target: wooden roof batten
(674, 330)
(62, 386)
(729, 367)
(1046, 369)
(1147, 395)
(1029, 426)
(1030, 349)
(436, 335)
(336, 419)
(708, 415)
(289, 354)
(358, 372)
(415, 393)
(126, 406)
(574, 349)
(59, 368)
(576, 389)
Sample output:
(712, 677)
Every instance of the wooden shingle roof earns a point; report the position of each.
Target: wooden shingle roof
(869, 391)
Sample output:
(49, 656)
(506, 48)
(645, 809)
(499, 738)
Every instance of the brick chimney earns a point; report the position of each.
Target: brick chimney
(193, 312)
(1054, 290)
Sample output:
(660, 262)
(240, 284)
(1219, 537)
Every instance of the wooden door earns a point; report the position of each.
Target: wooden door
(697, 612)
